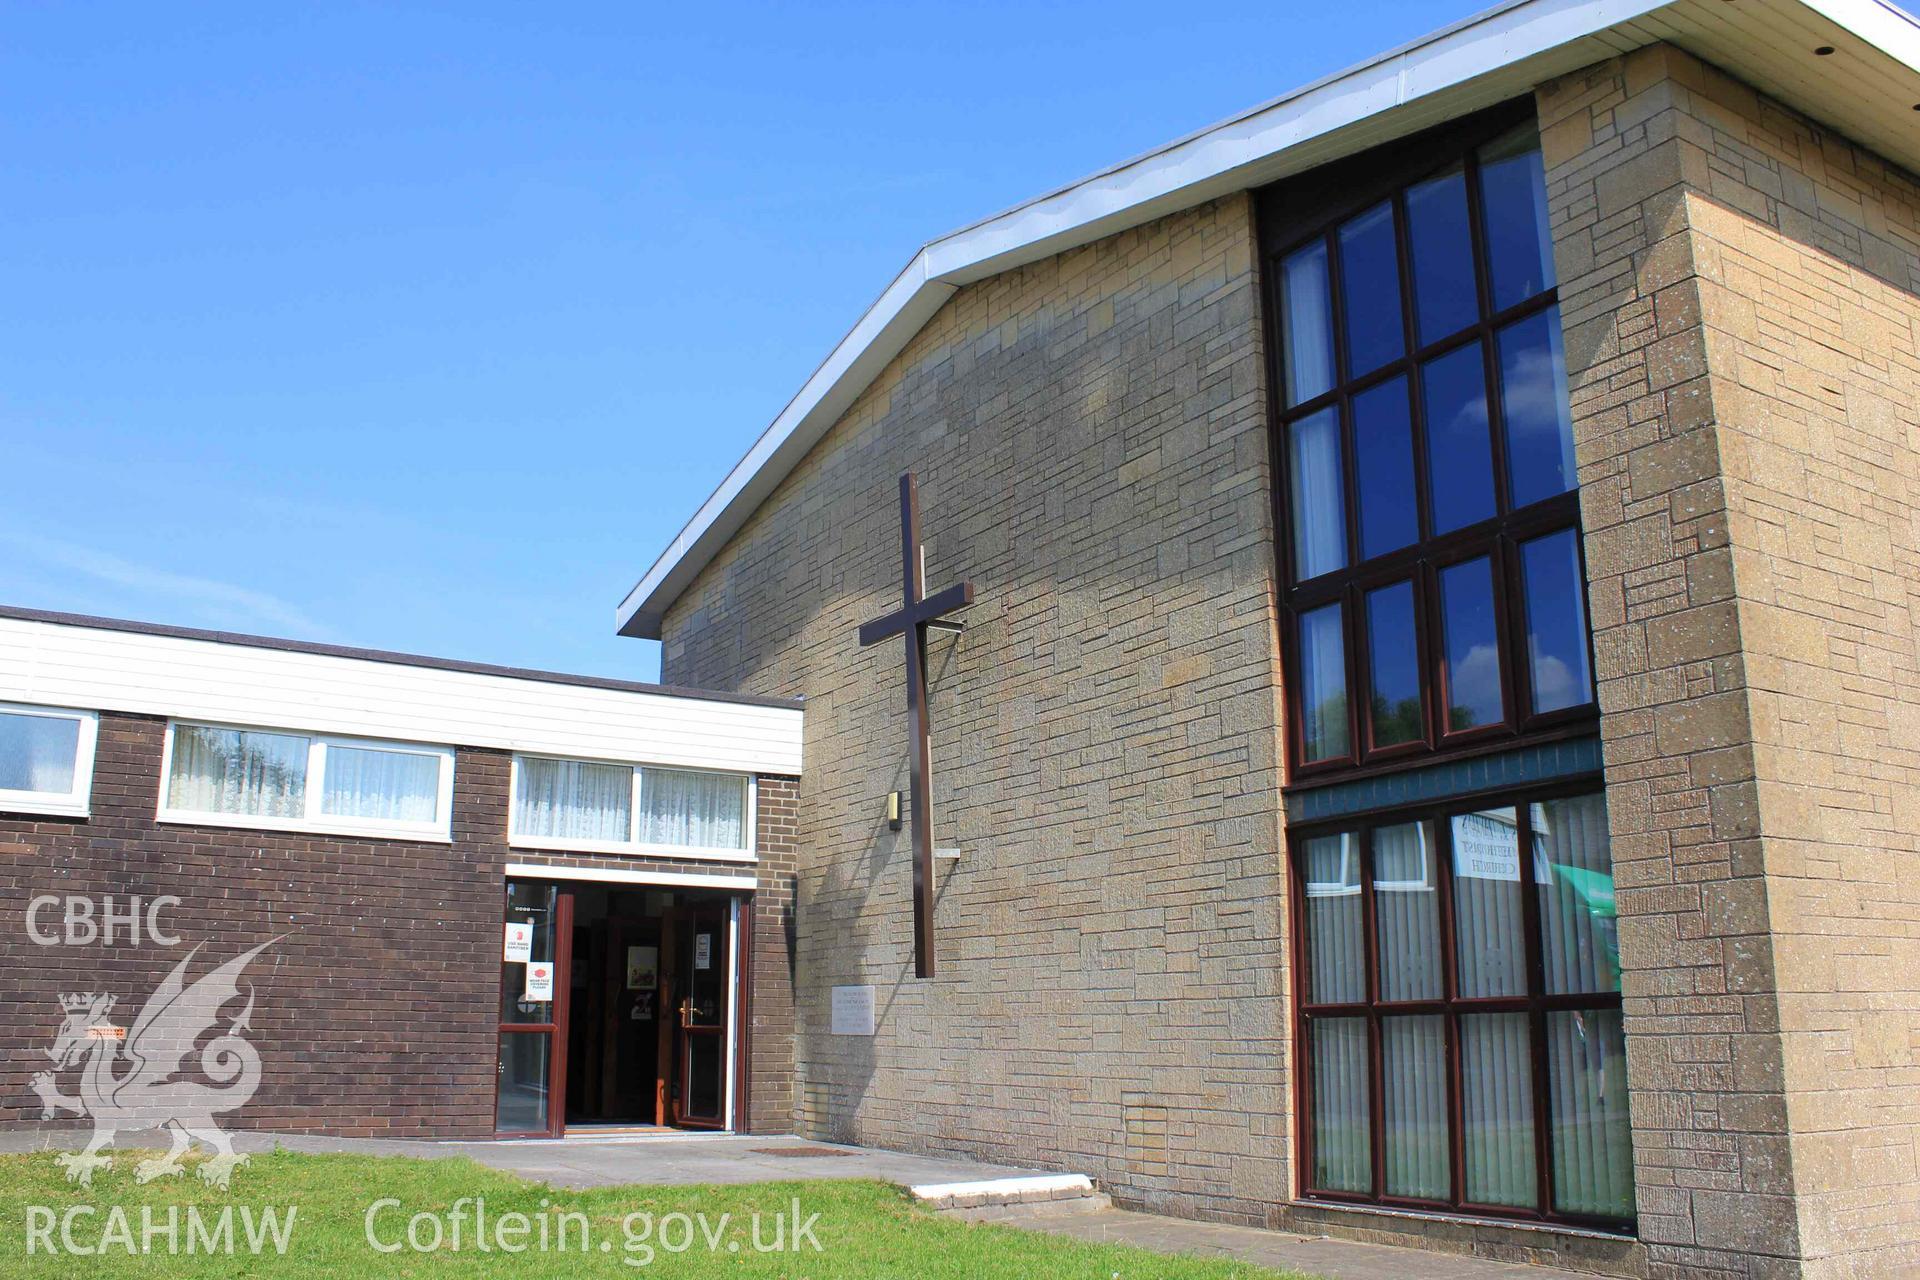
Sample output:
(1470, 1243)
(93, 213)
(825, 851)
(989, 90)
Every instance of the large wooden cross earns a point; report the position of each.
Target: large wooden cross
(916, 613)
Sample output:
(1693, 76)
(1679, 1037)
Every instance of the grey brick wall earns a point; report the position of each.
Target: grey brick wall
(1739, 292)
(1089, 434)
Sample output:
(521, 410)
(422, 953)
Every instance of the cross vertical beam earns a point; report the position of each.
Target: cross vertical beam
(918, 611)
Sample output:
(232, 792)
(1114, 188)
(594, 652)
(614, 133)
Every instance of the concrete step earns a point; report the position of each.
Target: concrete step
(1053, 1190)
(1038, 1214)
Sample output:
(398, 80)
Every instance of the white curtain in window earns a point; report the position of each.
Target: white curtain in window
(695, 810)
(238, 771)
(1317, 487)
(1573, 862)
(1342, 1130)
(1413, 1069)
(386, 786)
(1587, 1107)
(573, 800)
(1308, 323)
(1496, 1081)
(37, 753)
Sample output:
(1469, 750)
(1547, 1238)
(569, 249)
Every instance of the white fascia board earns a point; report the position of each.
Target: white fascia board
(1500, 52)
(1891, 30)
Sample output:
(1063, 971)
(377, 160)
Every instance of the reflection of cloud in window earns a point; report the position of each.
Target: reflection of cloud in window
(1553, 683)
(1474, 681)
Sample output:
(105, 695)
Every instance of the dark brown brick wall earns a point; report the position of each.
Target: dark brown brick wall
(771, 1068)
(376, 1007)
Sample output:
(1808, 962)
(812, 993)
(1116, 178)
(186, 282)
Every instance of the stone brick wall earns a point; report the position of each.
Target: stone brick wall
(1089, 435)
(376, 1009)
(1740, 312)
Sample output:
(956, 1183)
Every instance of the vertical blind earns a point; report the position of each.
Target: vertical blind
(1413, 1026)
(1342, 1126)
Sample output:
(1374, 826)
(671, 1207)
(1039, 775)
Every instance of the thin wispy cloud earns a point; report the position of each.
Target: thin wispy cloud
(182, 597)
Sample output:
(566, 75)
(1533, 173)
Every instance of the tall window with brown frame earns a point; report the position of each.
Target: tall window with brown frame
(1459, 1014)
(1436, 595)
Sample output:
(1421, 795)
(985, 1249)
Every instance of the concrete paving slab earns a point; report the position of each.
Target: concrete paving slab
(603, 1161)
(1316, 1255)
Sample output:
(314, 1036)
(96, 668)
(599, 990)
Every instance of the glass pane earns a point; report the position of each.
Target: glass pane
(1587, 1109)
(37, 753)
(1335, 958)
(1533, 401)
(1306, 303)
(572, 800)
(704, 968)
(1556, 603)
(387, 786)
(1393, 658)
(1323, 684)
(1472, 645)
(1406, 903)
(522, 1103)
(1489, 946)
(700, 810)
(532, 906)
(1413, 1067)
(1444, 296)
(1459, 448)
(1513, 193)
(1383, 462)
(1496, 1103)
(1573, 863)
(1319, 501)
(1370, 291)
(239, 771)
(1342, 1120)
(705, 1071)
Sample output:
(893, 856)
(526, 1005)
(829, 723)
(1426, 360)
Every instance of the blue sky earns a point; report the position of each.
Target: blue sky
(426, 327)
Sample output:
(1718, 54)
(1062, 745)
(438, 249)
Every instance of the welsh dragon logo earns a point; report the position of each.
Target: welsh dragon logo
(148, 1092)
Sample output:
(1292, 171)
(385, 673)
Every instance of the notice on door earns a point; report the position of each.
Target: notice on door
(853, 1011)
(703, 951)
(540, 982)
(519, 948)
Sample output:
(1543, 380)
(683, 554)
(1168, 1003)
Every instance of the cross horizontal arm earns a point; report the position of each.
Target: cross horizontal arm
(885, 628)
(958, 596)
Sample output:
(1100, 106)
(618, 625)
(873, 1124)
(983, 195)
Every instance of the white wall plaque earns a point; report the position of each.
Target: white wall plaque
(853, 1011)
(1485, 848)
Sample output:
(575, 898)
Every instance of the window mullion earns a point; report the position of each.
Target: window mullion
(633, 808)
(1536, 1017)
(1370, 968)
(316, 777)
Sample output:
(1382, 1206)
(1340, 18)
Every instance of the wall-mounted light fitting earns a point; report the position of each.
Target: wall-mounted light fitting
(893, 810)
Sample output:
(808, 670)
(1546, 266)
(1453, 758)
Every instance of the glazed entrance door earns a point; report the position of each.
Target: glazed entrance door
(634, 1081)
(702, 998)
(530, 1090)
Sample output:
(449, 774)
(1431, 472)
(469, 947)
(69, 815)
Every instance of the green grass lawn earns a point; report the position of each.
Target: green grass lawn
(864, 1229)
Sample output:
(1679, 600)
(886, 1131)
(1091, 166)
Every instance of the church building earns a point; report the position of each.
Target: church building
(1408, 600)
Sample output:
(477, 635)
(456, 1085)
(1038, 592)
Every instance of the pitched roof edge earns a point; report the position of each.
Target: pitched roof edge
(1451, 72)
